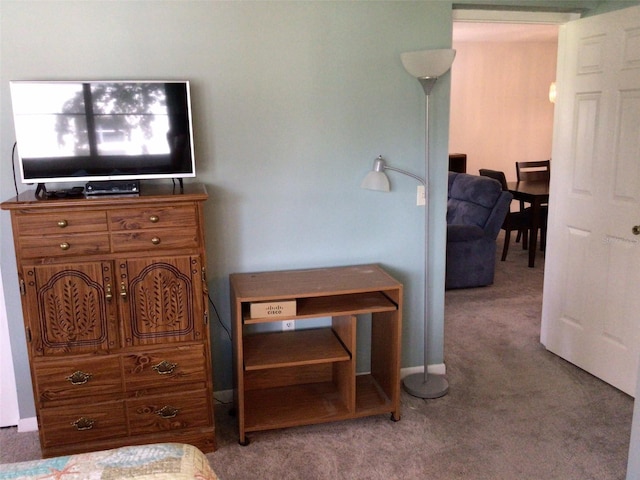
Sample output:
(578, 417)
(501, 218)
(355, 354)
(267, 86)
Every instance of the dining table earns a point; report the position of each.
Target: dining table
(536, 194)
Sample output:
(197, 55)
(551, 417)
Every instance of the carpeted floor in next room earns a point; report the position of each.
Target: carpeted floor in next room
(514, 411)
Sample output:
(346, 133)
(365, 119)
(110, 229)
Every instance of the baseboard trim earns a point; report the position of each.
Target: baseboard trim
(28, 424)
(436, 369)
(223, 396)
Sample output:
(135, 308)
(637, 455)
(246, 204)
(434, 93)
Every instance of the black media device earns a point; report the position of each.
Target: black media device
(74, 192)
(122, 187)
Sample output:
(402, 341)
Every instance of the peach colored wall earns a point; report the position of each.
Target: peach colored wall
(500, 109)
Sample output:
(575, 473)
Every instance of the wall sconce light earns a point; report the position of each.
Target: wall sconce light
(552, 92)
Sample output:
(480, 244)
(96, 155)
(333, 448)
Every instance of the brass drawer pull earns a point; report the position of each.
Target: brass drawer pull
(79, 378)
(167, 412)
(164, 367)
(65, 246)
(123, 291)
(155, 241)
(154, 218)
(83, 423)
(108, 293)
(62, 223)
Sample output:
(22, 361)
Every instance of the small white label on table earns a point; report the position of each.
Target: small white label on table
(286, 308)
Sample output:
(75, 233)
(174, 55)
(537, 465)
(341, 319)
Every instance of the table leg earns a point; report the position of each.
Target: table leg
(533, 237)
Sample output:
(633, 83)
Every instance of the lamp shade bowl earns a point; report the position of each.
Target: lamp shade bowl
(376, 181)
(428, 63)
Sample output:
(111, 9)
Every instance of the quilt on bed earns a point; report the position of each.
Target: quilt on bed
(162, 461)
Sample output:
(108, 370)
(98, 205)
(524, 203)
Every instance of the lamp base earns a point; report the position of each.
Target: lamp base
(429, 386)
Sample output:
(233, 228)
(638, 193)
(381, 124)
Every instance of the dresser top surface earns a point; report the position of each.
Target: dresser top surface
(150, 193)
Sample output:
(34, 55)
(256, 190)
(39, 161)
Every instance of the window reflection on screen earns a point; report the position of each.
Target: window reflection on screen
(103, 119)
(39, 115)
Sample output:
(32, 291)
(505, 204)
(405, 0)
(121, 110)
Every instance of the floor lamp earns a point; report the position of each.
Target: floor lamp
(426, 66)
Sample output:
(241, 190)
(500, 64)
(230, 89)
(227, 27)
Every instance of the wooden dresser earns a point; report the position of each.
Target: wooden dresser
(115, 307)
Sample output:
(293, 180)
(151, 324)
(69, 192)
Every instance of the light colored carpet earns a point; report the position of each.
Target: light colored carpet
(514, 411)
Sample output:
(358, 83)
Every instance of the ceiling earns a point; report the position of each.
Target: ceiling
(504, 32)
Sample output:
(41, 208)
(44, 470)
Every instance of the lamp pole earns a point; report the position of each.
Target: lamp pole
(426, 385)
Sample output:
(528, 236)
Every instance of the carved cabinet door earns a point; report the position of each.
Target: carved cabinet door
(161, 300)
(70, 308)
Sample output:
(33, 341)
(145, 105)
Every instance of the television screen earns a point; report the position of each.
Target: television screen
(103, 130)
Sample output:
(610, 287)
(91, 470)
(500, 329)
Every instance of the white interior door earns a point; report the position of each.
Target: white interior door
(591, 305)
(9, 415)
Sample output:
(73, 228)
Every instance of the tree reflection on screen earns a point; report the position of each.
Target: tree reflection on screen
(116, 119)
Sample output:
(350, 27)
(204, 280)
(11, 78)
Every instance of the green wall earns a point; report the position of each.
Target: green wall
(292, 103)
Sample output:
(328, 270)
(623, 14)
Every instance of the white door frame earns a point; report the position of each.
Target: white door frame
(9, 413)
(512, 16)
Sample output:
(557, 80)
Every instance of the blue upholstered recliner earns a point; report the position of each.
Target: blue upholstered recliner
(476, 208)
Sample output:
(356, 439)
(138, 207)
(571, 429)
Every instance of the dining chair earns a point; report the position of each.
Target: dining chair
(519, 221)
(536, 171)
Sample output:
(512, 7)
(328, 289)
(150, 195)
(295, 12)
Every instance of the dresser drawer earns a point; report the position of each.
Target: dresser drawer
(71, 378)
(165, 370)
(62, 222)
(63, 245)
(81, 423)
(169, 412)
(153, 218)
(150, 240)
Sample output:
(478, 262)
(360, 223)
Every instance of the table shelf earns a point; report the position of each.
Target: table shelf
(310, 403)
(371, 399)
(294, 405)
(287, 349)
(313, 307)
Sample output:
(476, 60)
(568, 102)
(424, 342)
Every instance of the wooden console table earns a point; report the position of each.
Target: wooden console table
(307, 376)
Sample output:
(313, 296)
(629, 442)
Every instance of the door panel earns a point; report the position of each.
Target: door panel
(163, 300)
(9, 414)
(70, 308)
(592, 267)
(587, 111)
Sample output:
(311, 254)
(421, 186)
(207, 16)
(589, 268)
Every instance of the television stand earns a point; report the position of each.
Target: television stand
(118, 187)
(43, 194)
(307, 376)
(179, 183)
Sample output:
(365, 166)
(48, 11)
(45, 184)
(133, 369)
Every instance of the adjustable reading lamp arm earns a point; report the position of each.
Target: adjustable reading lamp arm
(380, 166)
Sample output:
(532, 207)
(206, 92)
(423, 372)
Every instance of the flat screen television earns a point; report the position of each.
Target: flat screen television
(92, 131)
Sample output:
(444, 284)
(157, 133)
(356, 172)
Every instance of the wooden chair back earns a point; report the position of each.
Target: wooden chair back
(519, 221)
(496, 175)
(536, 171)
